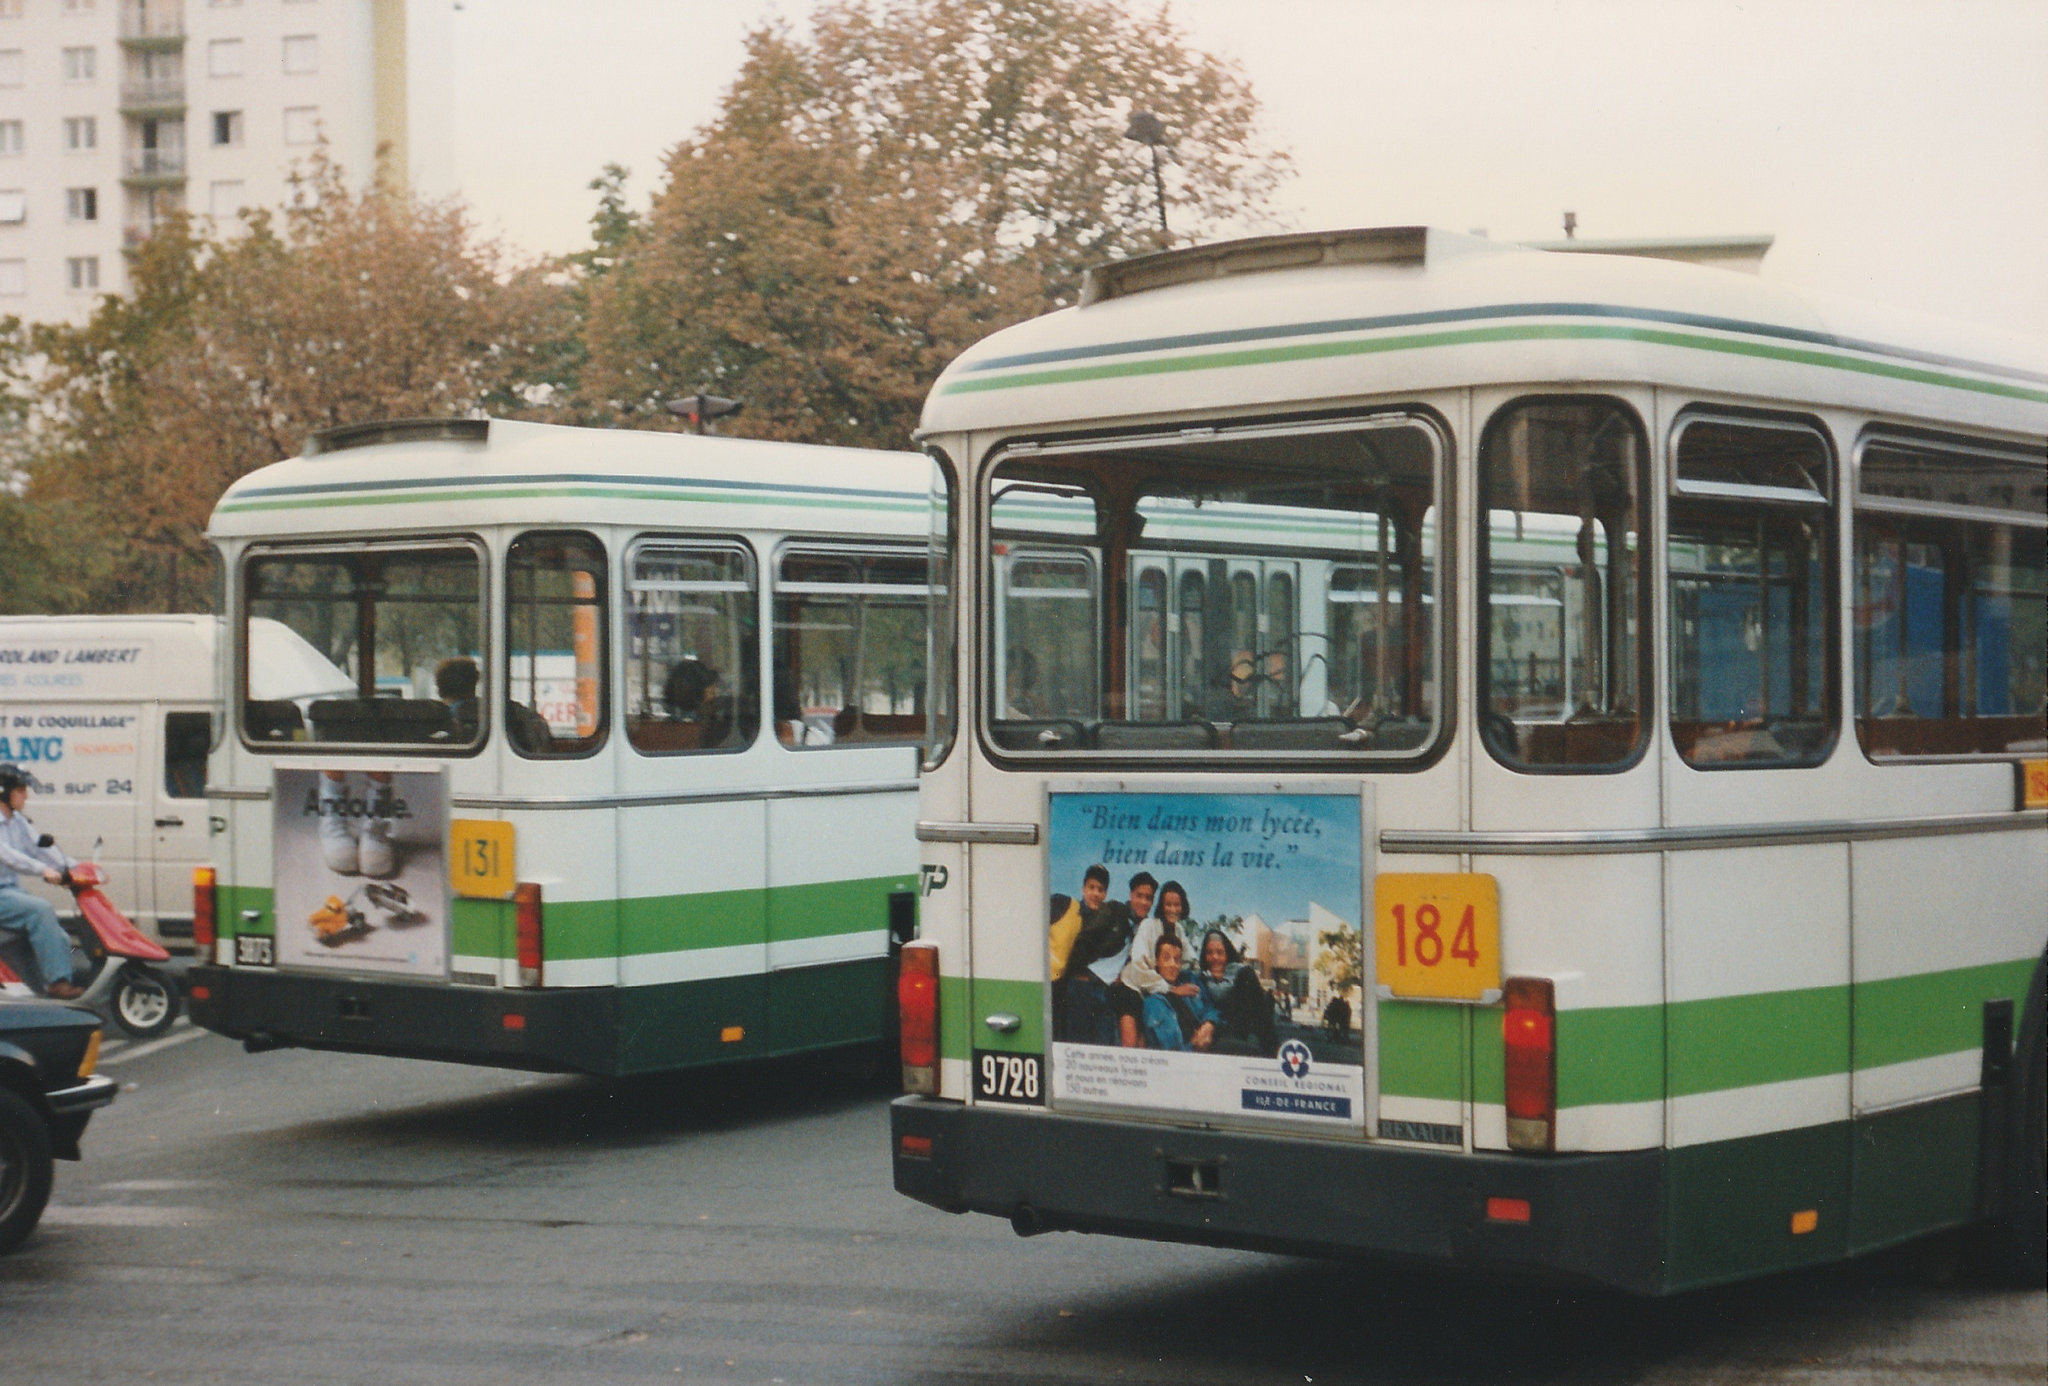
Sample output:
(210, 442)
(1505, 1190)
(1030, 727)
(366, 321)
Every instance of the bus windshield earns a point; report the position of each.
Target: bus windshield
(1266, 590)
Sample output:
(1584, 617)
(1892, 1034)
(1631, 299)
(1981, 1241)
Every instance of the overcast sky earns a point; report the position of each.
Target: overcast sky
(1898, 149)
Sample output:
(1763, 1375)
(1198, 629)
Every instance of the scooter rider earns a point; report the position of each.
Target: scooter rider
(21, 912)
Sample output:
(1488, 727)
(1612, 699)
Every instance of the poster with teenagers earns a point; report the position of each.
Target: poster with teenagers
(1205, 952)
(362, 871)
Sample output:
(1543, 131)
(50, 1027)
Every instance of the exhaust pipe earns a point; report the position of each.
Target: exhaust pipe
(1026, 1222)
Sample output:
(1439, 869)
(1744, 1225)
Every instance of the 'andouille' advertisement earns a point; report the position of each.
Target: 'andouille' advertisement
(1206, 953)
(362, 871)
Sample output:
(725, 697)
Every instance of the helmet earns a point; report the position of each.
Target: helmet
(12, 778)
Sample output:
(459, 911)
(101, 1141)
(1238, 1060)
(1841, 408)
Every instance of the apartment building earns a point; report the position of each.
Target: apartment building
(114, 113)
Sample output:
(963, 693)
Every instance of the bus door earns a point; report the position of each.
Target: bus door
(847, 689)
(1560, 634)
(178, 815)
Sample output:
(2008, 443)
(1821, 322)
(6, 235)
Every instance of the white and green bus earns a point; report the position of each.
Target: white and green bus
(621, 775)
(1452, 751)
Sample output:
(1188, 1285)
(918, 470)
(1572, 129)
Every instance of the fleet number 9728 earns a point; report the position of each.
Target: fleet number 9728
(1000, 1077)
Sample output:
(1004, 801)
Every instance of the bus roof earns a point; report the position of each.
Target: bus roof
(1284, 321)
(498, 471)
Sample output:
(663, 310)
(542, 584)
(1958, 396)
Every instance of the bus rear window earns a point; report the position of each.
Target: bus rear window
(1265, 591)
(1563, 676)
(351, 647)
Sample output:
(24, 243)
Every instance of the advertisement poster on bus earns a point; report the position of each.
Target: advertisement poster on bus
(1207, 954)
(362, 870)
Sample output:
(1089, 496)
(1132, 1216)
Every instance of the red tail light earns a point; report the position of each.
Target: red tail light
(526, 916)
(1528, 1031)
(205, 919)
(917, 998)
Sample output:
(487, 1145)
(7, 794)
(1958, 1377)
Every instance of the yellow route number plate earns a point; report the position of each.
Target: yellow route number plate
(2033, 784)
(480, 859)
(1437, 936)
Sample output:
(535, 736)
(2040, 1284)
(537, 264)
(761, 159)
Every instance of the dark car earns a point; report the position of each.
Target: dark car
(47, 1093)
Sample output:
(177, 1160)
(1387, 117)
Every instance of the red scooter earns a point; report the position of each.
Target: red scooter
(122, 986)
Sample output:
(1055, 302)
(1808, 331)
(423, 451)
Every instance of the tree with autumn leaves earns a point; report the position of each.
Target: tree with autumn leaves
(870, 200)
(874, 199)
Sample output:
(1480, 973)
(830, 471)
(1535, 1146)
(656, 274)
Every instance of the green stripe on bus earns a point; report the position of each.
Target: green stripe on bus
(1310, 351)
(1906, 1018)
(458, 492)
(1768, 1037)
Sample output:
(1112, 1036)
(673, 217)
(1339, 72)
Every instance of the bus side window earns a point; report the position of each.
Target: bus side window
(692, 669)
(1951, 602)
(850, 648)
(1750, 559)
(554, 644)
(1563, 688)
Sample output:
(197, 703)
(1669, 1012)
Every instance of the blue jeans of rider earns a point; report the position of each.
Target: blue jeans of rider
(23, 913)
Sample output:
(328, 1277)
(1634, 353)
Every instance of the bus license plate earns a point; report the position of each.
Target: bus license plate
(255, 950)
(1437, 936)
(1001, 1077)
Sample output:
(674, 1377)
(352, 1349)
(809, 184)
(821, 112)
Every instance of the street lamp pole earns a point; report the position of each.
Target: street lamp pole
(1148, 130)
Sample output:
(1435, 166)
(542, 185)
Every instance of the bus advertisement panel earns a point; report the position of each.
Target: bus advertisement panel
(1210, 957)
(362, 875)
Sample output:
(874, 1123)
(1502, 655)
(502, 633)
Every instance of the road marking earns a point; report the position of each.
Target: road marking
(157, 1185)
(142, 1051)
(122, 1215)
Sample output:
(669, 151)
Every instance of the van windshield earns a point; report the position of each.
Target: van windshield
(400, 627)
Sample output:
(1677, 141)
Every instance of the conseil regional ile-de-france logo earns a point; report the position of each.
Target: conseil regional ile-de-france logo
(1294, 1057)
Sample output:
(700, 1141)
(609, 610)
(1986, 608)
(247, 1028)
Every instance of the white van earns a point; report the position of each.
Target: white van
(111, 717)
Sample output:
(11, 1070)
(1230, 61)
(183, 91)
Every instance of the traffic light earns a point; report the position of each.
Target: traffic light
(701, 409)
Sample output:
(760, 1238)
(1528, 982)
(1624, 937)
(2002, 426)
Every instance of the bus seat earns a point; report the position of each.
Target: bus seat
(1297, 734)
(1038, 734)
(661, 737)
(381, 720)
(272, 719)
(1156, 736)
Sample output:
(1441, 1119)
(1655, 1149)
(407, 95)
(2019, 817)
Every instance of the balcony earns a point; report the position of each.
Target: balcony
(157, 26)
(152, 96)
(153, 168)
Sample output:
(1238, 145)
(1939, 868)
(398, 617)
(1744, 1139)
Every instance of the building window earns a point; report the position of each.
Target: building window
(81, 133)
(13, 205)
(81, 204)
(227, 128)
(225, 198)
(302, 125)
(81, 64)
(301, 54)
(82, 272)
(10, 67)
(224, 58)
(10, 137)
(13, 278)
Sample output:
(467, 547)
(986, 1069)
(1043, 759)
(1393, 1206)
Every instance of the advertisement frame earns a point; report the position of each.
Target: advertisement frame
(1367, 1126)
(445, 899)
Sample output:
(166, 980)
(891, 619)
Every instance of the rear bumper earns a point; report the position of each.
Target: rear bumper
(1592, 1217)
(561, 1031)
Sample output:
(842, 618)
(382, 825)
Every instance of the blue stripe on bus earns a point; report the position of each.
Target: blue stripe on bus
(1503, 310)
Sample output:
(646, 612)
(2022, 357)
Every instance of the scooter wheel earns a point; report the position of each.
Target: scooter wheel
(145, 1003)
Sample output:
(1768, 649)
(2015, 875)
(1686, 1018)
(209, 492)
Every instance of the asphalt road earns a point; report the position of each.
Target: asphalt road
(295, 1217)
